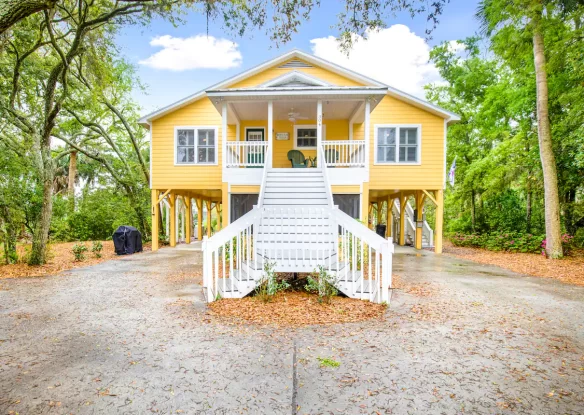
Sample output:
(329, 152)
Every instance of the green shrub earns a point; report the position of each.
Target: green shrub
(268, 286)
(78, 251)
(500, 241)
(96, 248)
(322, 283)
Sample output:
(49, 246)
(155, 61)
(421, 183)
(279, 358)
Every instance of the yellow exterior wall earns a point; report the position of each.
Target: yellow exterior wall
(164, 173)
(274, 72)
(334, 130)
(430, 173)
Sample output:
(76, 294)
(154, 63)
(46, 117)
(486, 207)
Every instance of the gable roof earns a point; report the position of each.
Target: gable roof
(294, 55)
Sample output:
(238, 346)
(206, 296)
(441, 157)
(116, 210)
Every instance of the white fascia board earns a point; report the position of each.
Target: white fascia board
(294, 91)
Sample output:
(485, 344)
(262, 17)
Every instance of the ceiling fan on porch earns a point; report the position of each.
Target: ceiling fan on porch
(293, 116)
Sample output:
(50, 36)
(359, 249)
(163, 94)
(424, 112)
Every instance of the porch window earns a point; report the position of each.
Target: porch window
(196, 145)
(397, 144)
(305, 136)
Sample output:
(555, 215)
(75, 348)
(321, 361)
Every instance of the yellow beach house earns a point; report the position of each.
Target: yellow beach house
(293, 154)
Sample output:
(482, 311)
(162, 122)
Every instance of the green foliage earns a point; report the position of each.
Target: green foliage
(98, 214)
(96, 248)
(323, 284)
(501, 241)
(79, 251)
(268, 286)
(328, 362)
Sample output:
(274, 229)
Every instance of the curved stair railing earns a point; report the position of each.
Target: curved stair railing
(297, 239)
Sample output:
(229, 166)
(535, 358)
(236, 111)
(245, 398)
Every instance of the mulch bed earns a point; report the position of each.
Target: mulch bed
(569, 270)
(295, 309)
(61, 258)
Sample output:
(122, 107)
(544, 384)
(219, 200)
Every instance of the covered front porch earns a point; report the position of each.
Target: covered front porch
(280, 131)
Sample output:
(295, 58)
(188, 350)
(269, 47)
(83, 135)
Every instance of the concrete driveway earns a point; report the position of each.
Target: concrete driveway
(131, 336)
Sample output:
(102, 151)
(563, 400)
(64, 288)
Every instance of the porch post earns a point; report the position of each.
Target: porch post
(419, 207)
(172, 216)
(208, 202)
(319, 152)
(155, 219)
(268, 163)
(367, 135)
(199, 203)
(225, 205)
(389, 232)
(224, 134)
(439, 195)
(402, 219)
(188, 219)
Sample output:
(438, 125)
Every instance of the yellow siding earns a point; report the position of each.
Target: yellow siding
(348, 189)
(246, 189)
(430, 173)
(334, 130)
(164, 173)
(274, 72)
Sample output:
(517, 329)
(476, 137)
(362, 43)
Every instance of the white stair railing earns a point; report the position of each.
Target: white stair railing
(344, 153)
(427, 232)
(246, 153)
(364, 261)
(227, 253)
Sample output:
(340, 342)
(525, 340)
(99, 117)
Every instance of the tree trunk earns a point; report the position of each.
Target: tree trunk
(9, 229)
(38, 254)
(11, 11)
(473, 210)
(546, 152)
(72, 177)
(528, 207)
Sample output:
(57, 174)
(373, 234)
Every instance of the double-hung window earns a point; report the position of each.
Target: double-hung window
(196, 145)
(305, 136)
(397, 144)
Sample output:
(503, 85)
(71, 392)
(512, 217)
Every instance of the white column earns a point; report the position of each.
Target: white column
(270, 134)
(367, 134)
(319, 152)
(224, 133)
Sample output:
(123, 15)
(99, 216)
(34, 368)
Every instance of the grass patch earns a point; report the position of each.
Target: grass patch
(327, 362)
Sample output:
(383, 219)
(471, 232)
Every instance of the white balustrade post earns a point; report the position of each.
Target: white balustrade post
(223, 133)
(319, 152)
(270, 133)
(367, 133)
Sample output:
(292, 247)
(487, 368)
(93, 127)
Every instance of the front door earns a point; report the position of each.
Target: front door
(255, 155)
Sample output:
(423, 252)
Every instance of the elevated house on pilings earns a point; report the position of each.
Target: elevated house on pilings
(290, 153)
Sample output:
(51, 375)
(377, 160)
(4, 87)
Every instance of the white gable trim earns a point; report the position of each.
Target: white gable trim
(294, 76)
(145, 120)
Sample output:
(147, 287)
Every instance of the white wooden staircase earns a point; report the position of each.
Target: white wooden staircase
(296, 228)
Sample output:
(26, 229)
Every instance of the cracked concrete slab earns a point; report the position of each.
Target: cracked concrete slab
(132, 336)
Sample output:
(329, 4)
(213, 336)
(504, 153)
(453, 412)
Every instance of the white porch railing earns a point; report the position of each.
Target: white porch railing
(344, 153)
(227, 256)
(246, 153)
(365, 260)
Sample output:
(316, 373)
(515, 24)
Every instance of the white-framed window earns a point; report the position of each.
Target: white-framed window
(398, 144)
(305, 136)
(196, 145)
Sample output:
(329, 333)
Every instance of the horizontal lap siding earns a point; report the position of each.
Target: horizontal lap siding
(430, 173)
(164, 173)
(274, 72)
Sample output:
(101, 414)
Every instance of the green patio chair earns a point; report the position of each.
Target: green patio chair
(331, 156)
(297, 159)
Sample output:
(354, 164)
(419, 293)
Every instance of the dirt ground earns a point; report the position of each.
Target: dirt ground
(569, 269)
(134, 336)
(60, 258)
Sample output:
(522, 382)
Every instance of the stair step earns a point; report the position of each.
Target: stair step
(295, 202)
(291, 195)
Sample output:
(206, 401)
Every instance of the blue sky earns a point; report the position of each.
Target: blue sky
(168, 80)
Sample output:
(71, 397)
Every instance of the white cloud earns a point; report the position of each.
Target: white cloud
(196, 52)
(395, 56)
